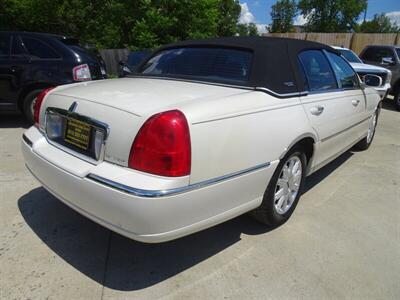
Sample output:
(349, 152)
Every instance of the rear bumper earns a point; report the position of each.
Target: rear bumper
(142, 218)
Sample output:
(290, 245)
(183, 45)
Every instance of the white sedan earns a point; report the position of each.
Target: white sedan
(205, 131)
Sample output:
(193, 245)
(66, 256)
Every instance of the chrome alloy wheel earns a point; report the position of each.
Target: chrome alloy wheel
(288, 184)
(371, 128)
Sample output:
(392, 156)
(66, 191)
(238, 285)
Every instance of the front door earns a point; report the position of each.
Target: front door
(334, 107)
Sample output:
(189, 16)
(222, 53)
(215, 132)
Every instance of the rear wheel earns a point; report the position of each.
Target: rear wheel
(283, 191)
(29, 105)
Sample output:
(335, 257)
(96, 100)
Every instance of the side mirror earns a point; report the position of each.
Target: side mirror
(388, 61)
(372, 80)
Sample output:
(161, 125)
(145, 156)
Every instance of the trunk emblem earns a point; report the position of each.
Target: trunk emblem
(73, 106)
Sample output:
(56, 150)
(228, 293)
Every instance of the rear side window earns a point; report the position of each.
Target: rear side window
(4, 46)
(17, 49)
(345, 75)
(209, 64)
(376, 54)
(38, 49)
(317, 70)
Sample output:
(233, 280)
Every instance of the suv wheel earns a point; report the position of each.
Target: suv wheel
(29, 105)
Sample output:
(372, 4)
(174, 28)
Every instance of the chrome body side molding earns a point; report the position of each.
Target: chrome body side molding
(175, 191)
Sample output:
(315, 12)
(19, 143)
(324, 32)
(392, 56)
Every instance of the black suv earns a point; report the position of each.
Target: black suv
(32, 62)
(388, 57)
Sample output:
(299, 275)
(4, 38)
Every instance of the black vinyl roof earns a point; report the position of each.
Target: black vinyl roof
(274, 66)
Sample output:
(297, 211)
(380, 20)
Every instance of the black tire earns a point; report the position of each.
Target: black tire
(397, 99)
(28, 102)
(267, 213)
(365, 143)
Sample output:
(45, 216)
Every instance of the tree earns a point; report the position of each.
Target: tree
(331, 15)
(228, 15)
(379, 24)
(249, 29)
(282, 14)
(134, 24)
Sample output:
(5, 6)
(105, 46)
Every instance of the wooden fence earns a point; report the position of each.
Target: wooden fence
(353, 41)
(112, 57)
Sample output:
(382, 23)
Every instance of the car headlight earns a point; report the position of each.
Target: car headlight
(389, 77)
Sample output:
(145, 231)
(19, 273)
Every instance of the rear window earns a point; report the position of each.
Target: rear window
(135, 58)
(208, 64)
(81, 49)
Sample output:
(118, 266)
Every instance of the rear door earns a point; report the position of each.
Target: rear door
(328, 107)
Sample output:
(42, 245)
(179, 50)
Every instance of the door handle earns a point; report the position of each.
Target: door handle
(355, 102)
(316, 110)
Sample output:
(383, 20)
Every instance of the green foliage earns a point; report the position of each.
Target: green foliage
(331, 15)
(379, 24)
(282, 14)
(247, 29)
(135, 24)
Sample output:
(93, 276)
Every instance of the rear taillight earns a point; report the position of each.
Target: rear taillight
(162, 146)
(81, 73)
(38, 104)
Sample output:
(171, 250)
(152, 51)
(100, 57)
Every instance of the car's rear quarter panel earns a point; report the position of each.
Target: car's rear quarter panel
(242, 131)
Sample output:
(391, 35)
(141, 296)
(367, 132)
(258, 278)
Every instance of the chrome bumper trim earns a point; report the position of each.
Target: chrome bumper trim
(175, 191)
(27, 141)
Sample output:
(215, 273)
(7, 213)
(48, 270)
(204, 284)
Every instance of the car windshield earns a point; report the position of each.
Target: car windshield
(136, 57)
(350, 56)
(201, 63)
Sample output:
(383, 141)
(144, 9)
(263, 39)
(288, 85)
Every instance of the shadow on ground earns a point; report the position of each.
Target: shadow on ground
(123, 264)
(12, 120)
(130, 265)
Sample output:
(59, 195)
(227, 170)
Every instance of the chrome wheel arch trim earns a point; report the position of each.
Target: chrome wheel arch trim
(170, 192)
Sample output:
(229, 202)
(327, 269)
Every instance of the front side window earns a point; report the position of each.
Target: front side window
(376, 54)
(317, 70)
(4, 46)
(201, 63)
(38, 49)
(345, 74)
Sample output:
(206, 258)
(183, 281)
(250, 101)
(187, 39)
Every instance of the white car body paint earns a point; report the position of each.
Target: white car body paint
(238, 137)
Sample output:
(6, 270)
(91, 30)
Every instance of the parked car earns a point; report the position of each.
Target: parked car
(134, 59)
(32, 62)
(363, 69)
(388, 57)
(207, 130)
